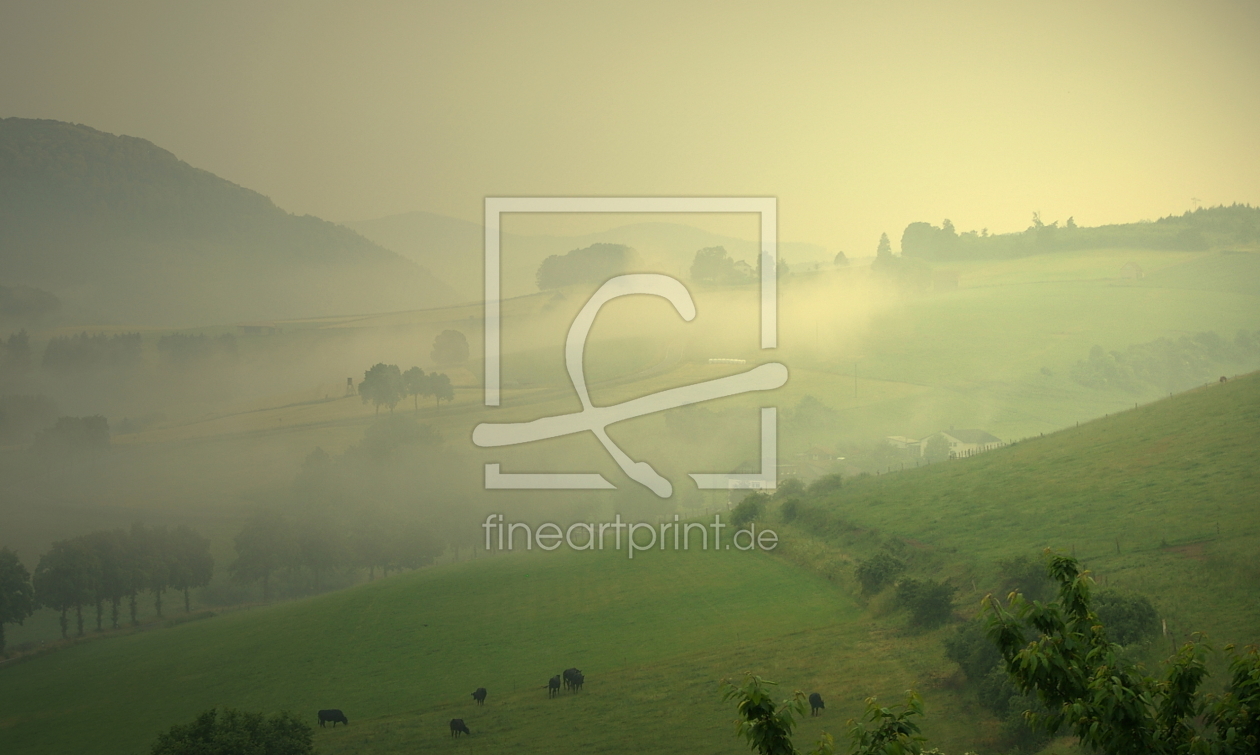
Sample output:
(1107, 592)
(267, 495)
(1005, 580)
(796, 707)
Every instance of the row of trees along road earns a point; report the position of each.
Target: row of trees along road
(386, 385)
(102, 567)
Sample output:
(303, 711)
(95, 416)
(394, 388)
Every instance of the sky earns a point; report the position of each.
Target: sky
(859, 117)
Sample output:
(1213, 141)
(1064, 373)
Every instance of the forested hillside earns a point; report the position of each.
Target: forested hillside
(121, 230)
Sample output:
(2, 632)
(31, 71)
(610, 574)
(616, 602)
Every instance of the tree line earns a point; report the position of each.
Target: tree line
(1168, 364)
(387, 503)
(105, 568)
(1190, 231)
(386, 385)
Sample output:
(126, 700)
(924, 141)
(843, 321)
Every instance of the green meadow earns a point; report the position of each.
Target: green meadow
(656, 634)
(1155, 494)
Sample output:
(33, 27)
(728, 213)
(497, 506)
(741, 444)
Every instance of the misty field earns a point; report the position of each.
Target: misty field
(655, 635)
(1154, 499)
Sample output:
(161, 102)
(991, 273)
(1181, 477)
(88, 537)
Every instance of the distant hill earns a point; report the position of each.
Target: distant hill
(123, 231)
(1237, 226)
(454, 249)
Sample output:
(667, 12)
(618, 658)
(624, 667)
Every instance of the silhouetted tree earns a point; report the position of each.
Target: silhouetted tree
(17, 597)
(415, 384)
(382, 385)
(714, 265)
(593, 264)
(110, 549)
(450, 348)
(440, 389)
(263, 546)
(884, 250)
(66, 578)
(191, 565)
(156, 558)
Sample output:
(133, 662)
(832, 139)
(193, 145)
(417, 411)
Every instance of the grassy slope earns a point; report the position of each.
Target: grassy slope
(1162, 499)
(655, 635)
(926, 363)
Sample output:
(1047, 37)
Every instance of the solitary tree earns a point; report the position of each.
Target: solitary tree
(382, 385)
(450, 348)
(884, 250)
(17, 597)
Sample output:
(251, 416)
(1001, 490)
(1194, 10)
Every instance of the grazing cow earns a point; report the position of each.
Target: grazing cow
(815, 704)
(333, 715)
(1224, 379)
(480, 695)
(553, 686)
(458, 727)
(576, 682)
(569, 675)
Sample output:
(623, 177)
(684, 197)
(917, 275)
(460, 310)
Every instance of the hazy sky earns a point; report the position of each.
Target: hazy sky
(860, 117)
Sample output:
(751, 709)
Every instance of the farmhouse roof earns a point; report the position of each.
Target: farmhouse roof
(972, 436)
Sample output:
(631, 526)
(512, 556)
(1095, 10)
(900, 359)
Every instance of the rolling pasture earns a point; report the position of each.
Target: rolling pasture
(401, 656)
(1158, 497)
(655, 635)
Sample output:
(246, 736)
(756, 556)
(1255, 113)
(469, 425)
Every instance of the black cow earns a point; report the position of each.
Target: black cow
(333, 715)
(458, 727)
(576, 682)
(553, 686)
(815, 704)
(480, 695)
(569, 675)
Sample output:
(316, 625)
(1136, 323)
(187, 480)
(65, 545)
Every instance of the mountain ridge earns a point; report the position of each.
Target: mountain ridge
(129, 232)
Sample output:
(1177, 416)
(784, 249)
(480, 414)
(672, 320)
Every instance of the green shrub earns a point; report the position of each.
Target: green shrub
(972, 650)
(1027, 576)
(931, 603)
(749, 510)
(876, 572)
(789, 488)
(235, 731)
(825, 485)
(1128, 618)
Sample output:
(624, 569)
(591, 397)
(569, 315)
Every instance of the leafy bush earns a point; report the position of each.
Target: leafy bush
(931, 603)
(1027, 576)
(234, 731)
(825, 485)
(971, 649)
(1110, 704)
(1128, 618)
(749, 510)
(789, 488)
(878, 571)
